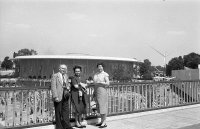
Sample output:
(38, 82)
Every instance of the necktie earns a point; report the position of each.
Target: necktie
(64, 83)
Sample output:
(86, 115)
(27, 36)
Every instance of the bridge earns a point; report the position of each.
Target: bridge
(186, 117)
(141, 105)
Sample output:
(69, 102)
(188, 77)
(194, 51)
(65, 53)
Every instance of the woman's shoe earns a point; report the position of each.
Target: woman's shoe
(99, 124)
(79, 126)
(84, 126)
(70, 128)
(103, 126)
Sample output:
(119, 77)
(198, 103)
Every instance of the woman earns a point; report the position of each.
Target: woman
(101, 80)
(78, 96)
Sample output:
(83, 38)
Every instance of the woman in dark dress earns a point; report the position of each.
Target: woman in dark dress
(78, 96)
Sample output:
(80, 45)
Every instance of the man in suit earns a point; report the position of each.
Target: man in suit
(59, 82)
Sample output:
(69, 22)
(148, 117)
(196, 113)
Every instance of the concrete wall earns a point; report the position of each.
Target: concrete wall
(189, 74)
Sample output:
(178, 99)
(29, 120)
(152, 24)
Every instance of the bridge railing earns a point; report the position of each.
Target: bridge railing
(134, 97)
(28, 102)
(25, 102)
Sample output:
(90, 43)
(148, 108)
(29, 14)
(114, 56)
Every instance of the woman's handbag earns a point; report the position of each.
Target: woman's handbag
(93, 105)
(66, 93)
(83, 89)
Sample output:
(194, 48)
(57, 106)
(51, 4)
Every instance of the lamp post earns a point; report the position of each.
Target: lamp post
(163, 55)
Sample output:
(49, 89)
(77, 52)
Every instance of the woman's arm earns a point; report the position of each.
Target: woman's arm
(76, 86)
(84, 85)
(106, 82)
(74, 83)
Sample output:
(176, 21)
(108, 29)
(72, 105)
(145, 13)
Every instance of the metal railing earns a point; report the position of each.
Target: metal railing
(28, 102)
(25, 103)
(134, 97)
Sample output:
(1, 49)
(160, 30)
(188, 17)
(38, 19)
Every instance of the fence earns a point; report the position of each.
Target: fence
(28, 102)
(134, 97)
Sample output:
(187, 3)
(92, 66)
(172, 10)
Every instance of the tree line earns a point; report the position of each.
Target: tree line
(146, 70)
(191, 61)
(8, 63)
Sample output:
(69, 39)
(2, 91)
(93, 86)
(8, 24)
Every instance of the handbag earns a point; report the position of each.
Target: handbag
(84, 90)
(93, 105)
(66, 93)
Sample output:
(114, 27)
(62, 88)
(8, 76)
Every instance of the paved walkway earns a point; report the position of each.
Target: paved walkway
(186, 117)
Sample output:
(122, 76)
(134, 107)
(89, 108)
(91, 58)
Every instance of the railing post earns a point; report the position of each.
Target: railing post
(14, 101)
(21, 107)
(131, 98)
(185, 89)
(6, 109)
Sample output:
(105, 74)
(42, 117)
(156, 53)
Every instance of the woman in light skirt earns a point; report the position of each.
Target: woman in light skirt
(101, 80)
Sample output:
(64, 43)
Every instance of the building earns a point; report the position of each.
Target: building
(187, 74)
(43, 66)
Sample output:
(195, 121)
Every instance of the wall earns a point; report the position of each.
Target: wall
(189, 74)
(46, 67)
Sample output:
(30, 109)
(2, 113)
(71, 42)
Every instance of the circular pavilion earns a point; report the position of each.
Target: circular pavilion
(43, 66)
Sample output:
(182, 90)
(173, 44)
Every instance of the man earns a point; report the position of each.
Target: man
(60, 82)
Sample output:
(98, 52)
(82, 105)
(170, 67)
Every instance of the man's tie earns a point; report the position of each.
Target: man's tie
(64, 83)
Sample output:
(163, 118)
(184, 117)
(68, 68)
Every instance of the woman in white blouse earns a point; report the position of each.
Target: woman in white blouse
(101, 80)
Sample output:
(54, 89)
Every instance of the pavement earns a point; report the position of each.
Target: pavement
(185, 117)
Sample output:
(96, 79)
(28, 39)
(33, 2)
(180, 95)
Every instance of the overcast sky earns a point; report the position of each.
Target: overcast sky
(119, 28)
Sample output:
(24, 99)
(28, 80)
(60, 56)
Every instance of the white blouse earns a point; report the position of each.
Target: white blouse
(100, 77)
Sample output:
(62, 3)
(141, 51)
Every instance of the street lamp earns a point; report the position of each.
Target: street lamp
(163, 55)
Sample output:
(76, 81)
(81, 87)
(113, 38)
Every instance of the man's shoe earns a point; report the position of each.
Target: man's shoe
(84, 126)
(99, 124)
(103, 126)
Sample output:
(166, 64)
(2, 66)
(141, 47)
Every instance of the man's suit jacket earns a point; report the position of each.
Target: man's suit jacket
(57, 86)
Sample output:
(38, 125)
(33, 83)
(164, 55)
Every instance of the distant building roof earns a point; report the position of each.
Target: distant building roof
(89, 57)
(186, 68)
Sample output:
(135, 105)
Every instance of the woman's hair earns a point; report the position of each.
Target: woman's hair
(90, 78)
(102, 64)
(77, 67)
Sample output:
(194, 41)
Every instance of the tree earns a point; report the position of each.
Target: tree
(145, 69)
(158, 70)
(191, 60)
(22, 52)
(7, 64)
(175, 63)
(120, 74)
(25, 52)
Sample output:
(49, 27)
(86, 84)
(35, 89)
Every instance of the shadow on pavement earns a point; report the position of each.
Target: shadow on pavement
(196, 126)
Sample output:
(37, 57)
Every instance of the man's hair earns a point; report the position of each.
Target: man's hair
(62, 65)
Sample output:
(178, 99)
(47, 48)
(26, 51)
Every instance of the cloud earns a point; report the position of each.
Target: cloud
(175, 32)
(93, 35)
(18, 25)
(77, 16)
(12, 27)
(23, 26)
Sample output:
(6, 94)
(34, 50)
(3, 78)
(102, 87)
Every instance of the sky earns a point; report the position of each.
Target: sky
(116, 28)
